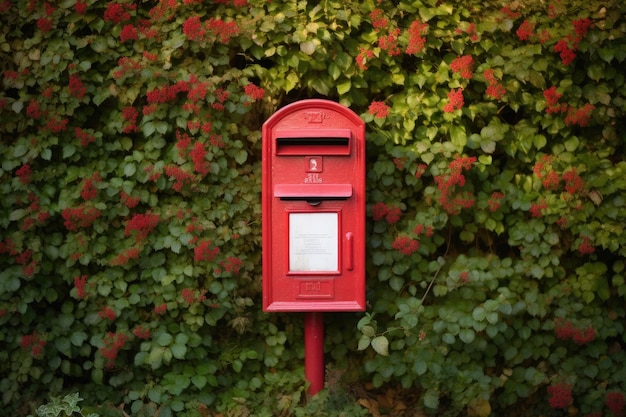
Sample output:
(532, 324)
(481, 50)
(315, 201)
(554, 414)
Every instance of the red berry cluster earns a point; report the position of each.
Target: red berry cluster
(179, 175)
(455, 100)
(84, 137)
(117, 13)
(615, 403)
(525, 30)
(378, 109)
(141, 333)
(210, 30)
(568, 46)
(79, 217)
(560, 396)
(205, 252)
(192, 296)
(416, 40)
(79, 284)
(107, 313)
(495, 89)
(232, 265)
(33, 343)
(141, 225)
(124, 257)
(382, 211)
(463, 65)
(585, 247)
(405, 245)
(113, 342)
(451, 201)
(76, 87)
(565, 330)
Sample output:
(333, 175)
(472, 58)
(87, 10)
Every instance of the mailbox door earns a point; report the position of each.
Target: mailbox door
(314, 208)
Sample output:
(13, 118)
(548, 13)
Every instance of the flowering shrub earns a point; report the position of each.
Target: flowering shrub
(130, 178)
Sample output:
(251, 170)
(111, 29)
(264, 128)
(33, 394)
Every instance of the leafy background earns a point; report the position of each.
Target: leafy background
(130, 176)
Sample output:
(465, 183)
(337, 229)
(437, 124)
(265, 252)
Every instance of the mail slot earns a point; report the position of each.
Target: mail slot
(313, 201)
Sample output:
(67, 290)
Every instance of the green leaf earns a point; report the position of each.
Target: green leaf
(431, 399)
(381, 345)
(178, 350)
(467, 335)
(364, 342)
(458, 136)
(164, 339)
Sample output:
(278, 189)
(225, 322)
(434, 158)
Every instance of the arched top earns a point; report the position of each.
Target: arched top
(314, 105)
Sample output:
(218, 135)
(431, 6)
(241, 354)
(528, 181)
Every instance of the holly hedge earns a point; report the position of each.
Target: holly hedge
(130, 211)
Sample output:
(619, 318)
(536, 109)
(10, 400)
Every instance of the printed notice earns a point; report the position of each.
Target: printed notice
(313, 242)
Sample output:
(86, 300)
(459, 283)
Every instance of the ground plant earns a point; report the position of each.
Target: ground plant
(130, 231)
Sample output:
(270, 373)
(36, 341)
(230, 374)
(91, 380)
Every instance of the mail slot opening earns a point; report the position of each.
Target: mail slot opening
(313, 193)
(313, 142)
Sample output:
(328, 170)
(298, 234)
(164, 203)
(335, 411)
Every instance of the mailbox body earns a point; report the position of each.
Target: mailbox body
(313, 200)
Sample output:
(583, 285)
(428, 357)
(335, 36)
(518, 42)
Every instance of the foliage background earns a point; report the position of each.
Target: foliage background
(130, 176)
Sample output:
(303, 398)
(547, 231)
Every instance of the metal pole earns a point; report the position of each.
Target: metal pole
(314, 351)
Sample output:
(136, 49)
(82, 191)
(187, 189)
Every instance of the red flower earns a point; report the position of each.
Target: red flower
(193, 28)
(416, 40)
(536, 208)
(254, 92)
(567, 54)
(362, 57)
(496, 91)
(456, 101)
(117, 12)
(615, 403)
(378, 109)
(128, 201)
(32, 110)
(580, 117)
(129, 33)
(525, 31)
(44, 24)
(198, 153)
(560, 396)
(141, 225)
(581, 26)
(389, 43)
(76, 86)
(585, 247)
(378, 21)
(33, 342)
(203, 252)
(232, 265)
(79, 284)
(24, 173)
(141, 333)
(180, 176)
(89, 191)
(405, 245)
(160, 309)
(495, 201)
(463, 65)
(379, 211)
(80, 7)
(124, 257)
(107, 313)
(393, 215)
(113, 342)
(79, 217)
(130, 114)
(573, 181)
(84, 137)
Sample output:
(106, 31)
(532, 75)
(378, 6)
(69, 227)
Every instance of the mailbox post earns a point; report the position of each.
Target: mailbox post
(313, 201)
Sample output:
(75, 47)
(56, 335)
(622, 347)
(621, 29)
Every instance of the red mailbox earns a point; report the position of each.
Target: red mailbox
(314, 208)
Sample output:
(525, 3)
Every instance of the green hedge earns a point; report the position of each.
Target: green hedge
(130, 211)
